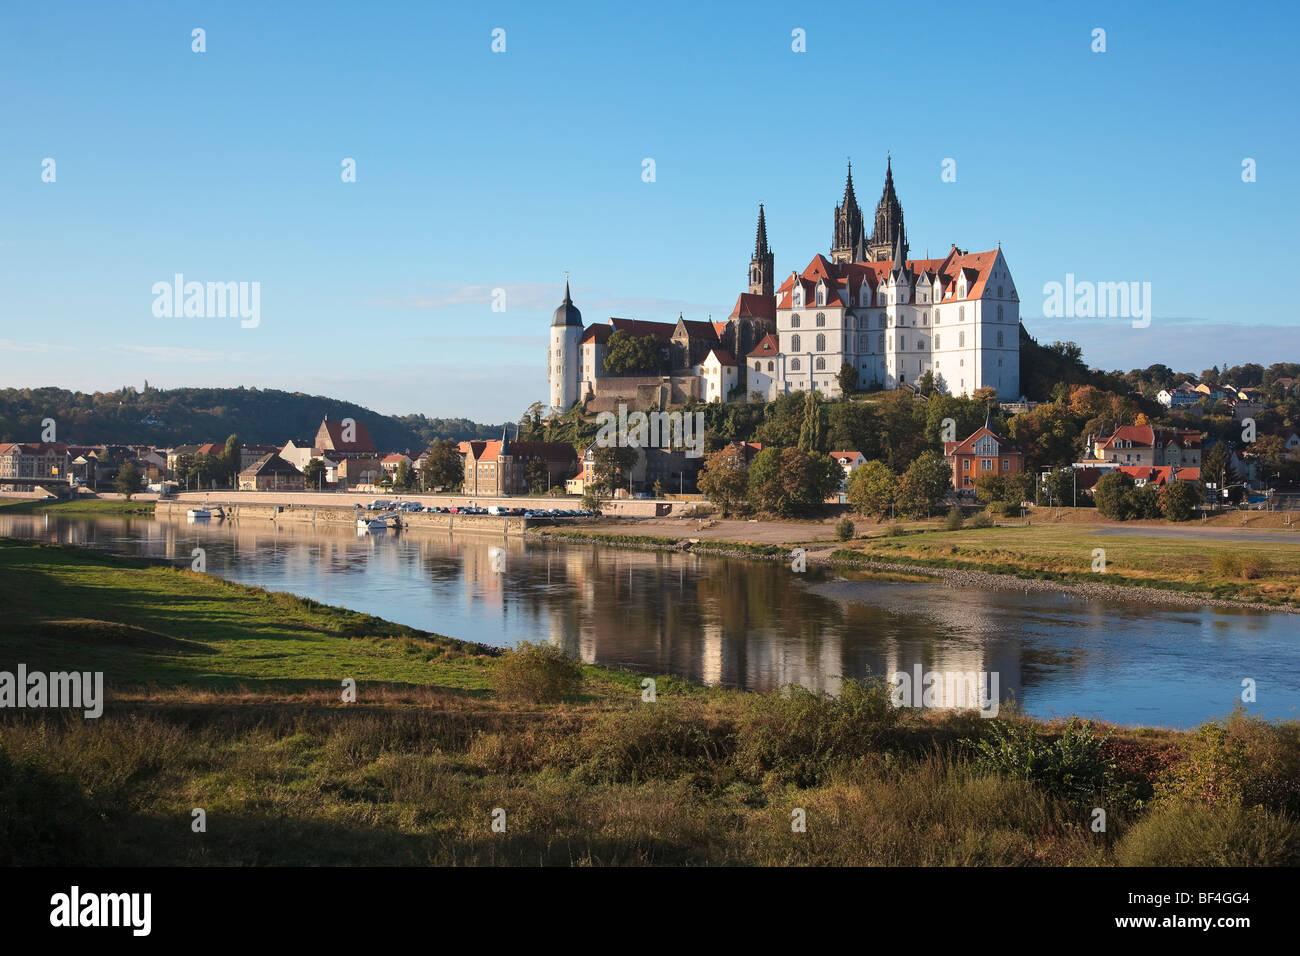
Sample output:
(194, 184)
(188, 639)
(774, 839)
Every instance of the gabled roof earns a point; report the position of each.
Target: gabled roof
(849, 276)
(333, 434)
(768, 345)
(640, 328)
(724, 357)
(967, 446)
(271, 464)
(749, 305)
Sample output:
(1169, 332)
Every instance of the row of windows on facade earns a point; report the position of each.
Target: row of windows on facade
(883, 320)
(864, 342)
(819, 364)
(864, 299)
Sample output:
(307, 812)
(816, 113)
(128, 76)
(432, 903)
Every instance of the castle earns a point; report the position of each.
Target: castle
(867, 307)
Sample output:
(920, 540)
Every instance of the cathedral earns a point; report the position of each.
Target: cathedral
(867, 306)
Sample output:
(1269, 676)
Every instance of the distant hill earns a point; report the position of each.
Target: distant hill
(180, 415)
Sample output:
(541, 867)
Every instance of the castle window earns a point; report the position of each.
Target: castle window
(936, 340)
(999, 337)
(821, 343)
(961, 340)
(821, 319)
(902, 343)
(794, 343)
(862, 342)
(961, 314)
(794, 365)
(794, 321)
(758, 366)
(769, 366)
(920, 342)
(882, 342)
(936, 316)
(821, 365)
(999, 308)
(925, 318)
(821, 296)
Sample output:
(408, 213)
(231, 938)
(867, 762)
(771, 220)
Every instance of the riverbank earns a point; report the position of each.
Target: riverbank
(229, 699)
(1215, 570)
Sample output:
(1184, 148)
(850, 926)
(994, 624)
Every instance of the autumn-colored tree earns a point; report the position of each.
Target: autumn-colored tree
(871, 489)
(725, 478)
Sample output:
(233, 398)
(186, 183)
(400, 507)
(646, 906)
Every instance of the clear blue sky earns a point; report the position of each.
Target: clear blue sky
(478, 170)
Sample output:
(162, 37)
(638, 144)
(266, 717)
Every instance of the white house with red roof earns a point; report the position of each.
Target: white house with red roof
(718, 375)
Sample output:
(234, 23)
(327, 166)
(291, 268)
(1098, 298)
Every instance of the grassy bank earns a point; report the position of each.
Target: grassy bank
(88, 506)
(227, 698)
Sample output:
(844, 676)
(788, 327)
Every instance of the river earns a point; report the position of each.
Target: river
(748, 624)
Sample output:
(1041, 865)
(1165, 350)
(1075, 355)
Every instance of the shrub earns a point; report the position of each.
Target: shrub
(539, 673)
(1242, 759)
(1190, 834)
(981, 520)
(1006, 509)
(955, 519)
(844, 529)
(1179, 500)
(1073, 766)
(1113, 495)
(895, 530)
(1255, 566)
(649, 742)
(800, 736)
(1226, 565)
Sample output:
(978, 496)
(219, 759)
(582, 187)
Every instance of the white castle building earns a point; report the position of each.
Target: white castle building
(891, 318)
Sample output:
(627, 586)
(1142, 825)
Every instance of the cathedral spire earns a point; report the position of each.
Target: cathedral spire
(760, 241)
(900, 254)
(846, 239)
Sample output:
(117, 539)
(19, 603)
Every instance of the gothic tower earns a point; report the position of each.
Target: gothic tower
(761, 266)
(889, 221)
(847, 239)
(564, 357)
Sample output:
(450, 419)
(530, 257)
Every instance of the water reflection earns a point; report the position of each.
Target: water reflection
(751, 625)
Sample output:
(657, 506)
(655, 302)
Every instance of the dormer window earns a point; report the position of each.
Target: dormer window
(821, 295)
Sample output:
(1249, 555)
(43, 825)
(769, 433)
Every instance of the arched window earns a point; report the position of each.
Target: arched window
(794, 343)
(961, 339)
(999, 308)
(794, 321)
(902, 343)
(821, 319)
(999, 336)
(936, 316)
(925, 318)
(936, 340)
(821, 364)
(999, 296)
(863, 342)
(920, 342)
(794, 365)
(882, 342)
(821, 343)
(769, 366)
(821, 295)
(961, 314)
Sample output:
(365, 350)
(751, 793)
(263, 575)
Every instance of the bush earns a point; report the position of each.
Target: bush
(955, 519)
(1189, 834)
(1072, 766)
(649, 742)
(800, 736)
(1242, 760)
(1005, 509)
(1226, 565)
(981, 520)
(1255, 566)
(538, 673)
(844, 529)
(895, 530)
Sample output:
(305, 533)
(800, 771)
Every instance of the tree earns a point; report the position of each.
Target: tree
(612, 467)
(443, 466)
(847, 377)
(810, 431)
(530, 424)
(1145, 502)
(537, 475)
(1062, 488)
(989, 488)
(853, 428)
(925, 384)
(230, 461)
(871, 489)
(658, 489)
(1178, 500)
(1216, 468)
(402, 479)
(924, 485)
(791, 481)
(128, 479)
(628, 354)
(314, 474)
(1112, 495)
(725, 478)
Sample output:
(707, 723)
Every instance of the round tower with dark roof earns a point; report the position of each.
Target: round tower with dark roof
(564, 357)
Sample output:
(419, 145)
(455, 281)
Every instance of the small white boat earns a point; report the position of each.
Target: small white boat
(371, 525)
(198, 513)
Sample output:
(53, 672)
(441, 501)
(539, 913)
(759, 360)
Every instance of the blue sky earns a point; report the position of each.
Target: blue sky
(479, 170)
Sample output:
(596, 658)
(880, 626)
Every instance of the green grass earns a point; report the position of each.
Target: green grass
(227, 698)
(91, 506)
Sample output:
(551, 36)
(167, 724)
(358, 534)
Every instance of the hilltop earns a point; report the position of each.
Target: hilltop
(174, 416)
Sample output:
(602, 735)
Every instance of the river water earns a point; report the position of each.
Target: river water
(746, 624)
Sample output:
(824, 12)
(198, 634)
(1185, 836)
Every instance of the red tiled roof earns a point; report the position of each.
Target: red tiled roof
(768, 345)
(749, 305)
(724, 357)
(967, 446)
(334, 432)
